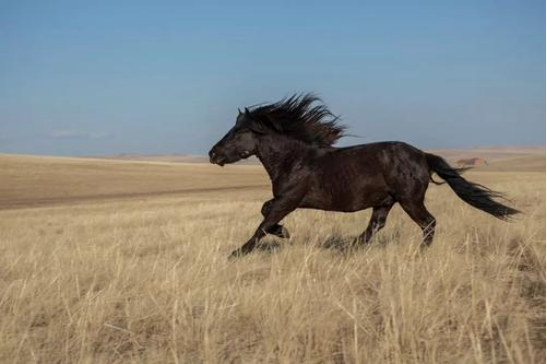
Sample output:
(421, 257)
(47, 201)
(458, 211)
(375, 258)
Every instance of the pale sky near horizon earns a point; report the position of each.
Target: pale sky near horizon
(103, 77)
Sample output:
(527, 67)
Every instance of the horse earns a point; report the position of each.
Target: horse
(293, 139)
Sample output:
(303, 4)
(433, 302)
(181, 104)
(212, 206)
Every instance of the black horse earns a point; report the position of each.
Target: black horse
(293, 139)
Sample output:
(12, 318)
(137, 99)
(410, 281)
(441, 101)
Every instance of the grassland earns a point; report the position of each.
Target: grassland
(125, 262)
(42, 181)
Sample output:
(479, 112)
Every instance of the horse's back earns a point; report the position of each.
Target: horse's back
(362, 176)
(403, 167)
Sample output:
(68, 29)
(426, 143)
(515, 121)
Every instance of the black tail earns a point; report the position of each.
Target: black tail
(474, 194)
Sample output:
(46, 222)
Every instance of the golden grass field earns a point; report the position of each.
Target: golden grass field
(125, 262)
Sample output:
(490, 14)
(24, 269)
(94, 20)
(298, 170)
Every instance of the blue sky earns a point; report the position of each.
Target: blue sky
(99, 77)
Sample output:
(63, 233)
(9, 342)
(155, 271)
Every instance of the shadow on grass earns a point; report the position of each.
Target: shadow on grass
(339, 243)
(348, 244)
(336, 243)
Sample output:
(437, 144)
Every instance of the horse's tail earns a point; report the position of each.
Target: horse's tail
(476, 195)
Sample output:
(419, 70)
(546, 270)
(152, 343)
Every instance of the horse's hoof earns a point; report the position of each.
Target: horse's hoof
(235, 254)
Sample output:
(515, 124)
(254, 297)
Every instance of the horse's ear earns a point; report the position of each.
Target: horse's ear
(247, 113)
(240, 118)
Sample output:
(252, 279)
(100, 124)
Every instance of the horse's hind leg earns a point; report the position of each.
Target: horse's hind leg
(376, 223)
(277, 230)
(418, 212)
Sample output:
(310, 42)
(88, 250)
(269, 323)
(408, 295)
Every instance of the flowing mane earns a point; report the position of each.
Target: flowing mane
(299, 118)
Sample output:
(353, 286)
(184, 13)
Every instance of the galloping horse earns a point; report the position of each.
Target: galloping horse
(293, 139)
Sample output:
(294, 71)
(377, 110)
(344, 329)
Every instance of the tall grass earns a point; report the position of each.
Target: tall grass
(148, 281)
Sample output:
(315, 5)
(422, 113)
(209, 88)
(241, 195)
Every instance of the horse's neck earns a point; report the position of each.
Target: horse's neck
(279, 154)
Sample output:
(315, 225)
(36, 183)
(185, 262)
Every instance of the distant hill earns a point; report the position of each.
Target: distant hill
(177, 158)
(529, 163)
(27, 180)
(172, 158)
(490, 154)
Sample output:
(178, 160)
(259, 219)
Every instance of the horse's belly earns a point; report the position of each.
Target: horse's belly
(343, 200)
(350, 202)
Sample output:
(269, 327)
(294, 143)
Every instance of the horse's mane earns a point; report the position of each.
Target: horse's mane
(299, 118)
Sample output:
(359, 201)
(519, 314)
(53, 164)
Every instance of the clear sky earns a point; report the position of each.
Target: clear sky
(99, 77)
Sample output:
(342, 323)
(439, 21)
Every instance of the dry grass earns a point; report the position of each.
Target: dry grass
(147, 280)
(518, 164)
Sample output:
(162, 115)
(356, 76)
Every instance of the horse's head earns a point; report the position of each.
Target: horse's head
(239, 143)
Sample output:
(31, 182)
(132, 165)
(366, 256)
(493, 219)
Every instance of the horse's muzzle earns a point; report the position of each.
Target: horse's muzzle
(216, 158)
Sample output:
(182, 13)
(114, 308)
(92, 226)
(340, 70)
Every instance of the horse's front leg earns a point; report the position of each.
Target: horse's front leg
(280, 207)
(277, 230)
